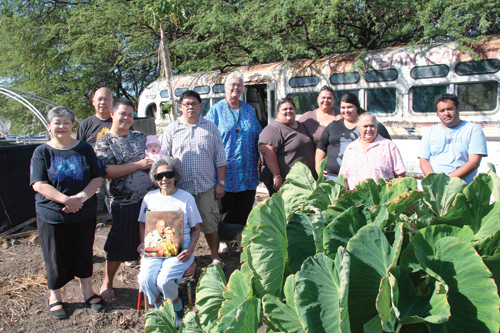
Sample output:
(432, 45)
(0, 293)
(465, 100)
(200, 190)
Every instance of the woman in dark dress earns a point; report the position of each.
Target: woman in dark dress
(65, 173)
(339, 134)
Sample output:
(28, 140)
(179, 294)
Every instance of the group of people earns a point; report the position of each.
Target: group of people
(206, 168)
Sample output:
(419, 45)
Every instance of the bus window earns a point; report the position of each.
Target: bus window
(381, 75)
(205, 107)
(478, 67)
(344, 78)
(478, 96)
(303, 81)
(381, 100)
(202, 90)
(218, 88)
(216, 100)
(422, 98)
(425, 72)
(164, 93)
(304, 101)
(338, 94)
(179, 91)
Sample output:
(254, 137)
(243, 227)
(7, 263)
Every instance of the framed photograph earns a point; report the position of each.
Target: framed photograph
(164, 234)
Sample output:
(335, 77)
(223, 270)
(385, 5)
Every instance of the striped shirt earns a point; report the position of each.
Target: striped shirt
(198, 152)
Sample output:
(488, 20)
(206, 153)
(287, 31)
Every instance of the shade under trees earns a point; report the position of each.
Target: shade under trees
(63, 50)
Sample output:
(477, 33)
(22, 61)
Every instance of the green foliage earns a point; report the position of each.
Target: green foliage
(161, 320)
(359, 263)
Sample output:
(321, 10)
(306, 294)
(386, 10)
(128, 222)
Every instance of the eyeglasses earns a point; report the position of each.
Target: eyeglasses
(191, 104)
(236, 85)
(167, 174)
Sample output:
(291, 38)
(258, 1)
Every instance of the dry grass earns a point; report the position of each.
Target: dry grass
(16, 295)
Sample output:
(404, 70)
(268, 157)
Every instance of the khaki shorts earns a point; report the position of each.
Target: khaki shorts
(209, 211)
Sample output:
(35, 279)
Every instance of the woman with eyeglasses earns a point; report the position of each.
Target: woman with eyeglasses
(315, 121)
(283, 143)
(339, 134)
(240, 129)
(159, 277)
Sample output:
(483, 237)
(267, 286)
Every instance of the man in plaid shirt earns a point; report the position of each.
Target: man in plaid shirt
(196, 145)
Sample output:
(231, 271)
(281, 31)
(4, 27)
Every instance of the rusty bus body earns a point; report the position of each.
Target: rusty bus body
(397, 84)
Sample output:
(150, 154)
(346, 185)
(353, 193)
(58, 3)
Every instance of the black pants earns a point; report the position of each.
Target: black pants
(67, 250)
(235, 206)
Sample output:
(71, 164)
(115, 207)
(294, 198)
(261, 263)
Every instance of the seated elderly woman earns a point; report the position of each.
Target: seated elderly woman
(159, 276)
(283, 143)
(370, 156)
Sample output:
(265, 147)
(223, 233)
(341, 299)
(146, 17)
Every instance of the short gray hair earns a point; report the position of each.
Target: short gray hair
(60, 111)
(235, 75)
(367, 114)
(164, 160)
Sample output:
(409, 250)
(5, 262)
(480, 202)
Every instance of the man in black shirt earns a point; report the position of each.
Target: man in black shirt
(95, 126)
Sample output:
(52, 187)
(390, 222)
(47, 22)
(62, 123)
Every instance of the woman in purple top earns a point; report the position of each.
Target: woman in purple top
(315, 121)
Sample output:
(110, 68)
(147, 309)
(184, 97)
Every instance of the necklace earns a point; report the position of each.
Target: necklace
(236, 121)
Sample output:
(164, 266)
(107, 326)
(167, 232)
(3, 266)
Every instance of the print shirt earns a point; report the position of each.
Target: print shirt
(381, 159)
(114, 149)
(447, 149)
(335, 139)
(198, 152)
(69, 171)
(240, 135)
(92, 129)
(179, 201)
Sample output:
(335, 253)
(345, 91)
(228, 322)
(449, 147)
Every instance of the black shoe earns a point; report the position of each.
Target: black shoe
(96, 307)
(58, 314)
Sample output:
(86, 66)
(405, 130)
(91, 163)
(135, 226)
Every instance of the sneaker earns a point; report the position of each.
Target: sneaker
(224, 248)
(179, 315)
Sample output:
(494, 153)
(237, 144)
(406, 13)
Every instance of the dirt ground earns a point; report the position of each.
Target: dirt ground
(23, 289)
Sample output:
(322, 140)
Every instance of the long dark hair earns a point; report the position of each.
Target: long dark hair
(352, 99)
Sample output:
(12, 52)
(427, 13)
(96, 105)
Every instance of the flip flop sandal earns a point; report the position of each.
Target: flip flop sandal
(58, 314)
(98, 306)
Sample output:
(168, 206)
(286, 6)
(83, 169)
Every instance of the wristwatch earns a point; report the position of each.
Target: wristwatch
(223, 183)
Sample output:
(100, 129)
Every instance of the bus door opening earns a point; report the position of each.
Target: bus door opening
(256, 96)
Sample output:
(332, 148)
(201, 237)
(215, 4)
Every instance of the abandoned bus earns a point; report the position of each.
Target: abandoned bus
(397, 84)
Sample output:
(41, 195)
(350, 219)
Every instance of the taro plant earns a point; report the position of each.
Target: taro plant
(384, 257)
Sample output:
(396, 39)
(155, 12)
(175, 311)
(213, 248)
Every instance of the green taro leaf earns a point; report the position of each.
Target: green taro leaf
(321, 168)
(299, 185)
(493, 264)
(209, 295)
(431, 235)
(301, 242)
(371, 258)
(289, 291)
(343, 228)
(237, 290)
(384, 303)
(495, 182)
(191, 323)
(370, 193)
(440, 191)
(373, 326)
(244, 319)
(324, 195)
(252, 223)
(413, 307)
(318, 227)
(321, 293)
(281, 315)
(472, 208)
(267, 249)
(161, 320)
(472, 294)
(489, 245)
